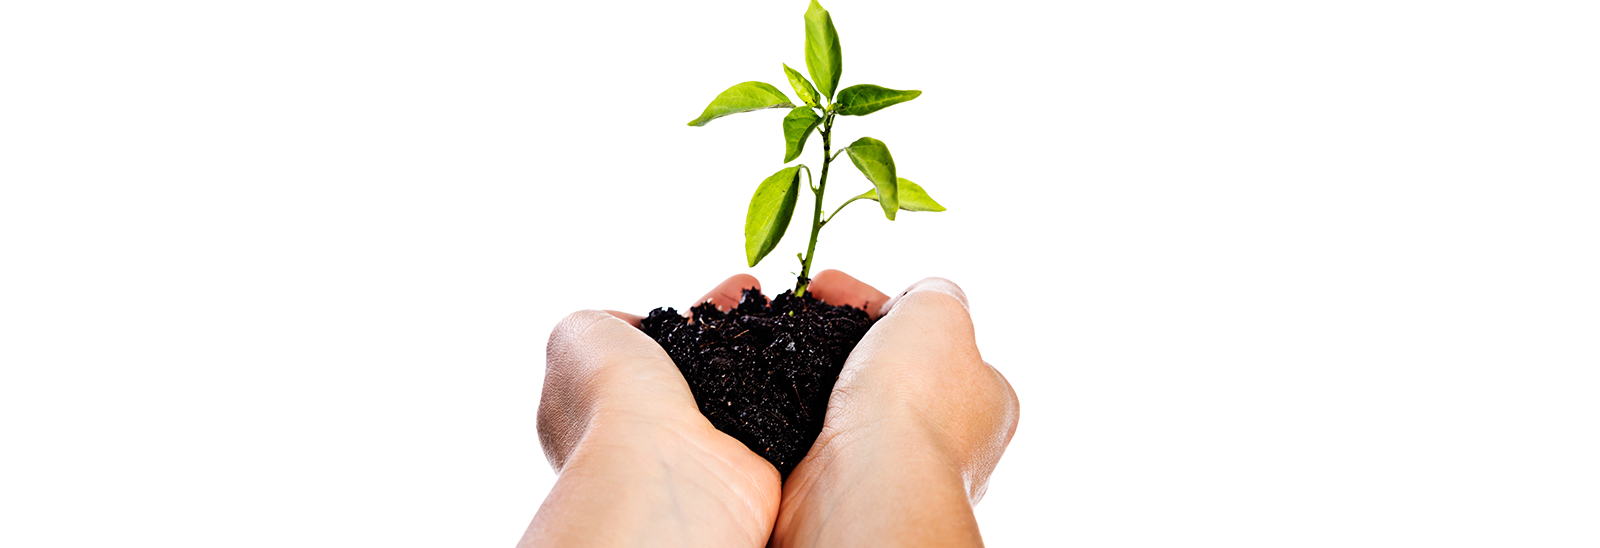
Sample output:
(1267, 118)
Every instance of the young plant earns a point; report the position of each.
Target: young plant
(773, 204)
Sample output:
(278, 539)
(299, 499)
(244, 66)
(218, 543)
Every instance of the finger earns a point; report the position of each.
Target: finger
(930, 289)
(838, 288)
(632, 320)
(728, 293)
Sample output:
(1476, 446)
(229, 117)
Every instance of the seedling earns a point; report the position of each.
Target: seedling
(772, 206)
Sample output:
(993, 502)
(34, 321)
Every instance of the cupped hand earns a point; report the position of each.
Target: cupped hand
(637, 462)
(915, 425)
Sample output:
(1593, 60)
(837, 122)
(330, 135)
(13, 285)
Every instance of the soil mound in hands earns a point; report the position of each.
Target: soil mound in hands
(762, 372)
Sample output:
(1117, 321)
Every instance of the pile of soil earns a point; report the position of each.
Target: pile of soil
(762, 372)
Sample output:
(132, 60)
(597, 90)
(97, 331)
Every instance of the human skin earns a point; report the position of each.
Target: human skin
(916, 423)
(914, 427)
(637, 463)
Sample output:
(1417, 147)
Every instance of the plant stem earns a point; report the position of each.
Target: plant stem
(836, 211)
(816, 216)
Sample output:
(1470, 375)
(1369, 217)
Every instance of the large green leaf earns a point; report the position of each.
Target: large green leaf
(797, 127)
(743, 98)
(912, 197)
(823, 58)
(802, 87)
(872, 157)
(864, 99)
(770, 210)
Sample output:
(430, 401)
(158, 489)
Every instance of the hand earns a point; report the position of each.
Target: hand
(637, 462)
(915, 425)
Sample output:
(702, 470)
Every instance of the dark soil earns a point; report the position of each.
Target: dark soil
(758, 373)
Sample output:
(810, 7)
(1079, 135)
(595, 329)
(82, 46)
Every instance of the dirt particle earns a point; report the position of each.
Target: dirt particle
(797, 341)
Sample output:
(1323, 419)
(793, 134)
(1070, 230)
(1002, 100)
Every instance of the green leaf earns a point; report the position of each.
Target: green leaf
(743, 98)
(802, 87)
(797, 127)
(872, 157)
(770, 210)
(864, 99)
(912, 197)
(823, 58)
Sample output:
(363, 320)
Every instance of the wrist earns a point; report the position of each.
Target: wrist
(632, 481)
(892, 484)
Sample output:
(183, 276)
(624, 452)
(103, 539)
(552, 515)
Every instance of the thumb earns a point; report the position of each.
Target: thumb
(928, 292)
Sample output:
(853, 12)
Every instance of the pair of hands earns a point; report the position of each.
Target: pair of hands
(915, 424)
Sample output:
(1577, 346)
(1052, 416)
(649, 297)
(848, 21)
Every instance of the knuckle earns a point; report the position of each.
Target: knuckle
(996, 389)
(572, 329)
(937, 303)
(1011, 406)
(938, 290)
(575, 352)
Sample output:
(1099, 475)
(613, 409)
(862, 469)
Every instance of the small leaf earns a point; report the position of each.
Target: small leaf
(797, 127)
(872, 157)
(864, 99)
(743, 97)
(823, 58)
(802, 87)
(912, 197)
(770, 210)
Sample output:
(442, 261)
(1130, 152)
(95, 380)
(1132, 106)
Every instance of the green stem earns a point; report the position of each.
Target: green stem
(816, 215)
(836, 211)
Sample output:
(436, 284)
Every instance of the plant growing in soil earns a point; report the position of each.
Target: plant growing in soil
(762, 372)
